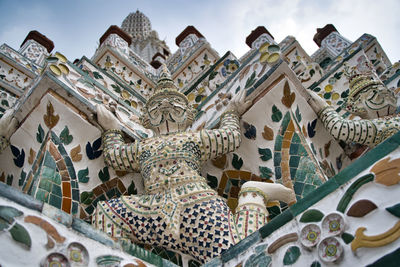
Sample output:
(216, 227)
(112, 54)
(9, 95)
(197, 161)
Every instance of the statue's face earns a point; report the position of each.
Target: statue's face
(168, 114)
(372, 103)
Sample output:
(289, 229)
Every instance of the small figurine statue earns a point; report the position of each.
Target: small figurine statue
(369, 99)
(179, 211)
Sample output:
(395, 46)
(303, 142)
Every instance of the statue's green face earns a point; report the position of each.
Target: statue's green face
(169, 112)
(374, 102)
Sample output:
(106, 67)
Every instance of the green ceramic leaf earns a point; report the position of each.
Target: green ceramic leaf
(394, 210)
(10, 179)
(83, 175)
(212, 75)
(65, 137)
(104, 175)
(8, 213)
(338, 75)
(265, 154)
(212, 181)
(127, 102)
(132, 189)
(345, 94)
(198, 98)
(265, 172)
(86, 197)
(116, 88)
(258, 260)
(4, 102)
(251, 80)
(22, 178)
(276, 114)
(347, 238)
(19, 234)
(237, 162)
(348, 195)
(40, 134)
(97, 75)
(312, 215)
(315, 264)
(298, 114)
(291, 255)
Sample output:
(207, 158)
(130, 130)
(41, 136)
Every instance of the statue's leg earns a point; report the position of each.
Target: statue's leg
(251, 212)
(107, 218)
(207, 229)
(124, 218)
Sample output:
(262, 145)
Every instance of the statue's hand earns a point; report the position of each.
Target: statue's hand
(106, 119)
(8, 124)
(239, 104)
(316, 102)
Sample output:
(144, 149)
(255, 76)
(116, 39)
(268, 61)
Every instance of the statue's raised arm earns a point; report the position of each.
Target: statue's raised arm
(227, 138)
(117, 153)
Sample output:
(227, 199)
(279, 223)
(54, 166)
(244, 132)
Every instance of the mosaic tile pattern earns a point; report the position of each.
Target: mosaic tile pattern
(293, 162)
(108, 190)
(52, 178)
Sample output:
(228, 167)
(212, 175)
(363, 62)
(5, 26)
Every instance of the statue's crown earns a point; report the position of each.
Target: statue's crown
(359, 81)
(165, 86)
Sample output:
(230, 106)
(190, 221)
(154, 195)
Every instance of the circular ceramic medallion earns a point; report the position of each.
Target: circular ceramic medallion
(330, 249)
(264, 47)
(134, 104)
(264, 57)
(61, 57)
(64, 69)
(273, 58)
(273, 48)
(335, 96)
(191, 97)
(125, 94)
(328, 88)
(310, 235)
(56, 70)
(78, 254)
(55, 260)
(333, 224)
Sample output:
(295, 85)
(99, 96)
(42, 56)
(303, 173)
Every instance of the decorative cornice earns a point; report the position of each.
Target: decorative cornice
(41, 39)
(118, 31)
(255, 34)
(188, 30)
(323, 32)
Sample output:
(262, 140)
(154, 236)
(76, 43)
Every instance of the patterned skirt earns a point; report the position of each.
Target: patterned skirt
(206, 227)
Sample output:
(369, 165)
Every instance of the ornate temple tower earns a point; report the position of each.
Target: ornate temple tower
(145, 41)
(331, 43)
(295, 133)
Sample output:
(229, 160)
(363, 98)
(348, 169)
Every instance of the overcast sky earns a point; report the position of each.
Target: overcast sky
(75, 26)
